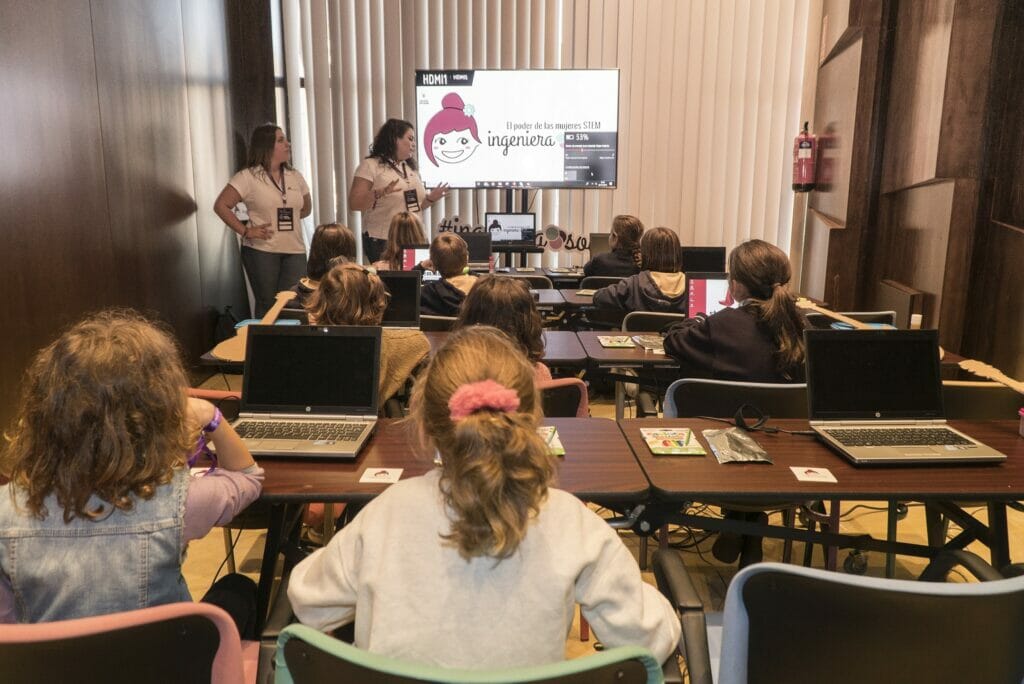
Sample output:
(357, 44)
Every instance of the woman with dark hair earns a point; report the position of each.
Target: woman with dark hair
(506, 304)
(386, 183)
(276, 197)
(759, 341)
(332, 243)
(660, 286)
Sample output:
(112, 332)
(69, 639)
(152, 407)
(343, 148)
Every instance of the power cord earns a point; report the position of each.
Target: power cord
(748, 412)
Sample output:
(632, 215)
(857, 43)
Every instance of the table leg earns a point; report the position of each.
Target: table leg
(890, 535)
(620, 400)
(271, 549)
(999, 541)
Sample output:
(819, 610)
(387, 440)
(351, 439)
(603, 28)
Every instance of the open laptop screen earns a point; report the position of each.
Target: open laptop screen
(702, 259)
(479, 245)
(708, 293)
(403, 310)
(311, 369)
(598, 244)
(873, 375)
(415, 254)
(511, 228)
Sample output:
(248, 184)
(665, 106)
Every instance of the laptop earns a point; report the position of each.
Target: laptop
(708, 293)
(702, 259)
(875, 396)
(481, 258)
(597, 243)
(413, 255)
(309, 390)
(403, 310)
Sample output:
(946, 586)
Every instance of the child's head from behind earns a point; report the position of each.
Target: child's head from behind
(760, 267)
(103, 412)
(477, 404)
(506, 304)
(348, 295)
(449, 254)
(659, 251)
(405, 230)
(627, 231)
(330, 241)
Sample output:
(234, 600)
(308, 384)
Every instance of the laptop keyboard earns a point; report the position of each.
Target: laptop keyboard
(300, 429)
(923, 436)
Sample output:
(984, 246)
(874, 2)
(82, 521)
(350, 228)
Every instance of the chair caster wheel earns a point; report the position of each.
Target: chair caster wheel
(856, 563)
(901, 511)
(598, 646)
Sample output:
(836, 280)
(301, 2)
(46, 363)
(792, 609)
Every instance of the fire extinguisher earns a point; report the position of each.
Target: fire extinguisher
(805, 152)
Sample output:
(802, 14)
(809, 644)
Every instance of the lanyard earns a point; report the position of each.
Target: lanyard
(403, 171)
(282, 188)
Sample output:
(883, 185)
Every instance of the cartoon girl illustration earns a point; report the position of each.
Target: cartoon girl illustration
(450, 134)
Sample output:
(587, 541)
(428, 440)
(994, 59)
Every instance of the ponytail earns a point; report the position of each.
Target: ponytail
(495, 476)
(764, 270)
(477, 405)
(628, 231)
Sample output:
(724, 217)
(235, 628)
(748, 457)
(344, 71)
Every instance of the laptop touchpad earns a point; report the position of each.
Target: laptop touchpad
(917, 451)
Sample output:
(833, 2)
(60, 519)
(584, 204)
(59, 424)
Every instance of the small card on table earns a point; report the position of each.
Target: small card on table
(808, 474)
(616, 341)
(381, 475)
(669, 441)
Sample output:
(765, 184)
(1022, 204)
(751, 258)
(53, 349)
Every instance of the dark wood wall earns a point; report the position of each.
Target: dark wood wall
(919, 109)
(117, 129)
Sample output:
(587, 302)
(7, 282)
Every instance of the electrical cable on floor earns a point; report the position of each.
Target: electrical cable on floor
(229, 554)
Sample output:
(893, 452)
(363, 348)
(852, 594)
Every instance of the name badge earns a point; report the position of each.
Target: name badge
(412, 201)
(284, 219)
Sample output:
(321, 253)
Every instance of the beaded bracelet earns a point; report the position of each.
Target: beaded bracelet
(201, 447)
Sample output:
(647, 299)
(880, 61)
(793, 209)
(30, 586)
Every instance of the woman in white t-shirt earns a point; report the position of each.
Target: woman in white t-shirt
(386, 183)
(277, 197)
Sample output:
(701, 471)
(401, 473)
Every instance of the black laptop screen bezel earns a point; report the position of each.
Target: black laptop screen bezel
(255, 332)
(815, 359)
(412, 277)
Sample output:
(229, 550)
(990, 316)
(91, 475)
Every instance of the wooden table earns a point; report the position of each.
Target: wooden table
(598, 466)
(561, 347)
(564, 279)
(548, 299)
(575, 301)
(678, 479)
(604, 358)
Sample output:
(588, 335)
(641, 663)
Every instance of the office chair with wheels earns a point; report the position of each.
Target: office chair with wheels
(651, 322)
(785, 623)
(692, 397)
(307, 656)
(177, 642)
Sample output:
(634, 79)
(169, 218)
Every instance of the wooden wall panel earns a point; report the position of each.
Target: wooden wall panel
(835, 20)
(917, 94)
(997, 336)
(150, 188)
(57, 256)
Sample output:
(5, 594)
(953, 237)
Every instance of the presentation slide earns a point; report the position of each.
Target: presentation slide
(542, 128)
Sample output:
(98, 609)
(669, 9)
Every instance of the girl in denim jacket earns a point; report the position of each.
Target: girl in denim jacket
(101, 504)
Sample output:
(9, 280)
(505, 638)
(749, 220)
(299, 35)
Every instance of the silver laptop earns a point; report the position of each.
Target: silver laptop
(309, 390)
(403, 310)
(875, 396)
(481, 258)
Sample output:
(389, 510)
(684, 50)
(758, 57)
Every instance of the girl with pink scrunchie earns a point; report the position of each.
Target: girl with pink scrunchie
(479, 563)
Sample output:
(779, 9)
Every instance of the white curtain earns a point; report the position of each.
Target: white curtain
(709, 101)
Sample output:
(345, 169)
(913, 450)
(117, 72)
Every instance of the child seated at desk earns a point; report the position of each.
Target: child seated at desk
(506, 304)
(331, 243)
(624, 258)
(101, 505)
(425, 567)
(405, 230)
(759, 341)
(351, 295)
(660, 286)
(450, 257)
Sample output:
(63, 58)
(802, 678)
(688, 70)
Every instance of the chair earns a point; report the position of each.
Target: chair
(968, 400)
(691, 397)
(306, 656)
(793, 624)
(564, 398)
(177, 642)
(651, 322)
(536, 282)
(429, 323)
(597, 282)
(819, 320)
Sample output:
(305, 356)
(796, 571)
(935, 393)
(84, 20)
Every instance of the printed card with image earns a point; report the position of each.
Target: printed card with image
(616, 341)
(808, 474)
(550, 436)
(672, 441)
